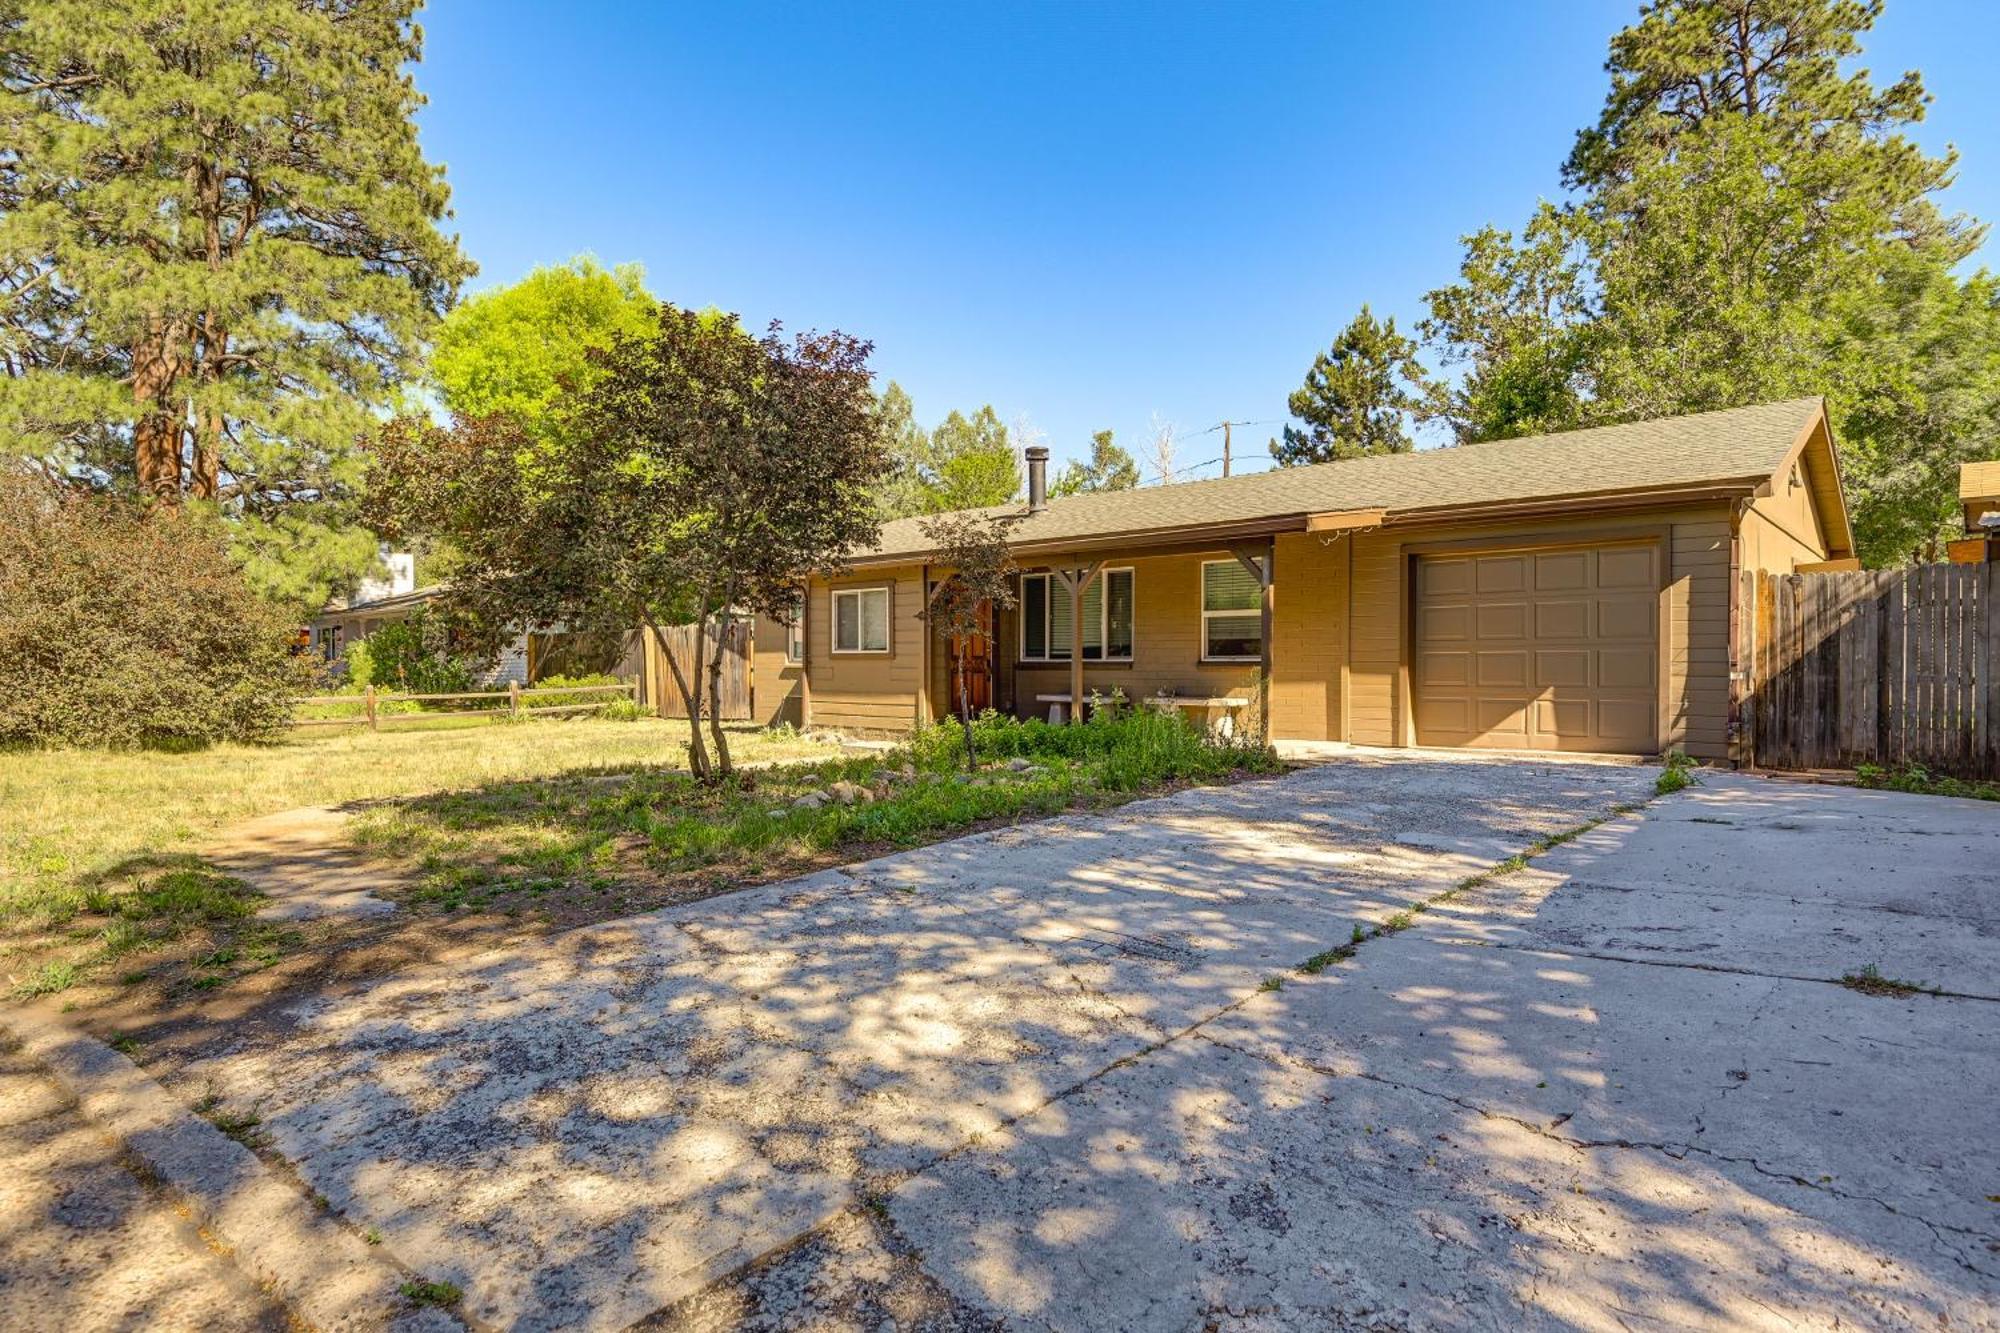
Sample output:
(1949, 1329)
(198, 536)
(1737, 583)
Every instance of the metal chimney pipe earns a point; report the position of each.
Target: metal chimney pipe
(1038, 478)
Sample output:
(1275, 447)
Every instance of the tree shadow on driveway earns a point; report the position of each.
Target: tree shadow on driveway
(995, 1035)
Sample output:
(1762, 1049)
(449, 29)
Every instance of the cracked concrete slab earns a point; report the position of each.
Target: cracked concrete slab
(1771, 877)
(583, 1133)
(1209, 1188)
(1028, 1078)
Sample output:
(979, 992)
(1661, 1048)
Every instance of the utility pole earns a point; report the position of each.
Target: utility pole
(1225, 447)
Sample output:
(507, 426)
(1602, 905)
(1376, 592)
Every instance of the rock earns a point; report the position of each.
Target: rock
(812, 800)
(1020, 764)
(848, 793)
(908, 772)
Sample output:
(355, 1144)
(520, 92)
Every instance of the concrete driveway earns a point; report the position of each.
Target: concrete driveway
(1043, 1077)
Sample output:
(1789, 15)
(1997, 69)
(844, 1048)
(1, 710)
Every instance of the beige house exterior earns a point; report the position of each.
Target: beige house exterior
(1570, 592)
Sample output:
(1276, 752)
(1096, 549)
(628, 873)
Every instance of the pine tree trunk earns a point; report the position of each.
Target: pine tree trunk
(156, 435)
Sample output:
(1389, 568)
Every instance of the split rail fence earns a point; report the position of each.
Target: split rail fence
(1887, 667)
(513, 702)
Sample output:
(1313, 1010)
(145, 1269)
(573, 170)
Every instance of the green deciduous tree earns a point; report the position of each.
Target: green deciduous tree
(701, 472)
(509, 350)
(1110, 468)
(1358, 397)
(966, 463)
(219, 256)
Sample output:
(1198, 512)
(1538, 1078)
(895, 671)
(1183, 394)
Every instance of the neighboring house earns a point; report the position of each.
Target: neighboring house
(339, 627)
(1561, 592)
(1979, 497)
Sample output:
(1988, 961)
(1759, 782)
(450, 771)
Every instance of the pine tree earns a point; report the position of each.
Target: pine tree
(1357, 398)
(219, 256)
(1110, 468)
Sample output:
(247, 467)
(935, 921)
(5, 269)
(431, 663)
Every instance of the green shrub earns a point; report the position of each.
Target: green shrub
(414, 656)
(122, 625)
(359, 659)
(1127, 751)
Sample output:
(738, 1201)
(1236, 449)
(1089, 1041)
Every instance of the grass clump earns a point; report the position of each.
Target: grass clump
(1326, 958)
(432, 1293)
(1677, 775)
(1870, 981)
(1917, 779)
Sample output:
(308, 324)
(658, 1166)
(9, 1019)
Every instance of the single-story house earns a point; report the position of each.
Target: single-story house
(1979, 500)
(343, 624)
(1571, 592)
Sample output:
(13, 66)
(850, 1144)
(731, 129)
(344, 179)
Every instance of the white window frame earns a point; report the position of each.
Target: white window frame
(1201, 602)
(795, 633)
(888, 619)
(1103, 617)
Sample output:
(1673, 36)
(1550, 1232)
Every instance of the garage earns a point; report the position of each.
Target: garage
(1546, 649)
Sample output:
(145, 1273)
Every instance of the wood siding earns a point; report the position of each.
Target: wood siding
(868, 692)
(776, 682)
(1341, 633)
(1309, 638)
(1166, 641)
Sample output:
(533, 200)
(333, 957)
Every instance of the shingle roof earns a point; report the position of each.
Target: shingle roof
(1711, 448)
(1979, 481)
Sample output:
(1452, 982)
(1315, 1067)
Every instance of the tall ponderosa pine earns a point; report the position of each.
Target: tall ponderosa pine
(1358, 397)
(1752, 222)
(219, 254)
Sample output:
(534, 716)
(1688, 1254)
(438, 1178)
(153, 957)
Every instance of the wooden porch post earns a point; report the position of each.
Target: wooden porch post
(1249, 557)
(1077, 581)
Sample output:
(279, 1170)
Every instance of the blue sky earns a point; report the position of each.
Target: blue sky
(1086, 214)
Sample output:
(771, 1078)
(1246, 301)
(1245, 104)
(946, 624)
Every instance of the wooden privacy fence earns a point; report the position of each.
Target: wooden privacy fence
(513, 702)
(1876, 667)
(734, 636)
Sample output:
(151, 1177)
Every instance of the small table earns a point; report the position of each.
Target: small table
(1207, 705)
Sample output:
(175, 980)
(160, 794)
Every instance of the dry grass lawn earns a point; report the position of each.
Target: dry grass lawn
(78, 825)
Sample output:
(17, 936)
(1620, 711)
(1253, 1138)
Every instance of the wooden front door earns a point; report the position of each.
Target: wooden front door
(977, 661)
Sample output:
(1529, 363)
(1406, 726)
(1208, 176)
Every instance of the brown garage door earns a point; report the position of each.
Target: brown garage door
(1539, 650)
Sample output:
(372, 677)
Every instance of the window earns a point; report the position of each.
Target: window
(329, 642)
(1046, 633)
(795, 631)
(1232, 612)
(861, 620)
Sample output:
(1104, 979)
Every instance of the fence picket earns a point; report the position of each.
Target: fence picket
(1887, 668)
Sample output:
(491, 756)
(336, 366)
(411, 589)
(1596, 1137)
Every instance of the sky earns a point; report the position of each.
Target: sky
(1089, 214)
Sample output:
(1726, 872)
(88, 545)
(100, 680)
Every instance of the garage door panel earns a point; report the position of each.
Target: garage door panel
(1502, 721)
(1444, 578)
(1500, 574)
(1562, 668)
(1444, 668)
(1502, 670)
(1500, 620)
(1563, 719)
(1631, 721)
(1626, 668)
(1566, 571)
(1567, 619)
(1445, 624)
(1624, 618)
(1553, 650)
(1630, 567)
